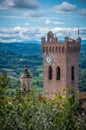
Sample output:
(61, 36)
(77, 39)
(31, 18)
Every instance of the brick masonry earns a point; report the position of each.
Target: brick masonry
(65, 55)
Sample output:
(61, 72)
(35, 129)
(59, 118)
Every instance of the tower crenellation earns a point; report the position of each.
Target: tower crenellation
(60, 62)
(52, 45)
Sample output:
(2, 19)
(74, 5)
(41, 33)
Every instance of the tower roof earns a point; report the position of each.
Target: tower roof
(26, 73)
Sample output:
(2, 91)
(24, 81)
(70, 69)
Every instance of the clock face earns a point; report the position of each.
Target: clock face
(48, 59)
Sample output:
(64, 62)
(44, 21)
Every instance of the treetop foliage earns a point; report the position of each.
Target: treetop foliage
(29, 111)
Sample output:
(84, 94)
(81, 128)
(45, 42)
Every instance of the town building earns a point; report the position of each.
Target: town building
(26, 80)
(60, 64)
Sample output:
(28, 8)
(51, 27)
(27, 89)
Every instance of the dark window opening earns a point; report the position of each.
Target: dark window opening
(56, 49)
(43, 49)
(59, 49)
(50, 49)
(72, 73)
(53, 49)
(47, 49)
(24, 89)
(58, 73)
(50, 72)
(63, 50)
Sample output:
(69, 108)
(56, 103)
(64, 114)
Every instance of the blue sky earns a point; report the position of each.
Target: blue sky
(24, 20)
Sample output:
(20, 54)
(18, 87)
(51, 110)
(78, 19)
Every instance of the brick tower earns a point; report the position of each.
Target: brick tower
(26, 80)
(60, 63)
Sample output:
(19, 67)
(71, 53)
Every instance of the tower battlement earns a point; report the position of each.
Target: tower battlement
(52, 45)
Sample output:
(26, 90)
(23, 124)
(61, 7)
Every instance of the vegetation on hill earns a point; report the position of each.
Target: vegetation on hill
(20, 110)
(14, 56)
(83, 67)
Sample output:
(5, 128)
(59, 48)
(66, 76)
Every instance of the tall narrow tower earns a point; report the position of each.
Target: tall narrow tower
(26, 80)
(60, 63)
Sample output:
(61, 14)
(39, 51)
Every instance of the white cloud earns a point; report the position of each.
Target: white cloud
(26, 33)
(17, 29)
(83, 11)
(26, 4)
(26, 24)
(32, 14)
(48, 21)
(11, 16)
(65, 7)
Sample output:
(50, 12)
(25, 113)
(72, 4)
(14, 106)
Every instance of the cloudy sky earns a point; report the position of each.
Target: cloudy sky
(24, 20)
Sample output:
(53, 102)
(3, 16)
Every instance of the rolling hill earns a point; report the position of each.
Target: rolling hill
(14, 56)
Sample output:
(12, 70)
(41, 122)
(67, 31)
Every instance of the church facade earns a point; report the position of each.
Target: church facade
(60, 63)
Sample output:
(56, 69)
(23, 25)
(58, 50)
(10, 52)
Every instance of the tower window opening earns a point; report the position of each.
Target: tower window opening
(63, 50)
(24, 89)
(69, 49)
(58, 73)
(53, 50)
(50, 49)
(72, 73)
(59, 49)
(47, 49)
(50, 40)
(50, 72)
(78, 49)
(56, 49)
(43, 49)
(74, 49)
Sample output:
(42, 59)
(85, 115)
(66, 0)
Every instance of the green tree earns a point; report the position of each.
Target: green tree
(4, 81)
(28, 111)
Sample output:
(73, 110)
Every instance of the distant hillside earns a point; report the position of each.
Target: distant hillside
(21, 48)
(14, 56)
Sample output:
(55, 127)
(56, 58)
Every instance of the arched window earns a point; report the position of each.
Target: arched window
(53, 50)
(50, 40)
(50, 72)
(78, 49)
(74, 49)
(47, 49)
(50, 49)
(72, 73)
(63, 50)
(56, 49)
(24, 86)
(59, 49)
(69, 49)
(58, 73)
(43, 49)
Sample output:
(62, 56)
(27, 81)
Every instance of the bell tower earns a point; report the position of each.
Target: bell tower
(60, 64)
(26, 80)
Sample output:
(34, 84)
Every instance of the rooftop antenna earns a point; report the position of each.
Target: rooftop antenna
(78, 31)
(55, 34)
